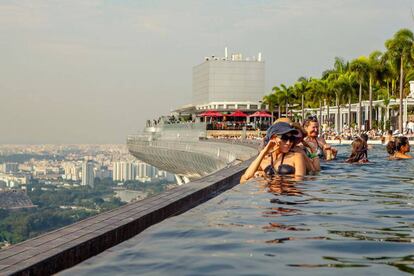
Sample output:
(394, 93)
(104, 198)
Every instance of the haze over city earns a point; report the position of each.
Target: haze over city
(94, 71)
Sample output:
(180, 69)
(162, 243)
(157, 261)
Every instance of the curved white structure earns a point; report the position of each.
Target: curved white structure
(187, 155)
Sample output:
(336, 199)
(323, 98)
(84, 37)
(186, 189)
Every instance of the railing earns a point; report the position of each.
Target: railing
(237, 126)
(218, 152)
(225, 150)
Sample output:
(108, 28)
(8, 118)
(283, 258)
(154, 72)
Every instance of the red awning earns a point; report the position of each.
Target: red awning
(211, 113)
(237, 113)
(261, 114)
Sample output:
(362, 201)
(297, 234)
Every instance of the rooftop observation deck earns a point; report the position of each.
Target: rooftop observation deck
(183, 149)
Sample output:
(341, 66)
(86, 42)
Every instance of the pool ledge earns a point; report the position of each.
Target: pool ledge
(63, 248)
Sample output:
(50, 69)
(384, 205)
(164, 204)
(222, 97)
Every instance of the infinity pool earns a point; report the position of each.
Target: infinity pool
(348, 220)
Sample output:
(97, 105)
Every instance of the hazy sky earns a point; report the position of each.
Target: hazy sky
(82, 71)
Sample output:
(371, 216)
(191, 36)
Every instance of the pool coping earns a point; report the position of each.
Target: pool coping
(65, 247)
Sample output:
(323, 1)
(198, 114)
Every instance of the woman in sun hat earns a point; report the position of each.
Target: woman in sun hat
(277, 157)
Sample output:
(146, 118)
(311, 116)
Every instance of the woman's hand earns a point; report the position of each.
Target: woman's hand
(326, 147)
(271, 146)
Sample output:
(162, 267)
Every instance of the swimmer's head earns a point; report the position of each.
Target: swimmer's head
(311, 126)
(400, 144)
(359, 151)
(364, 137)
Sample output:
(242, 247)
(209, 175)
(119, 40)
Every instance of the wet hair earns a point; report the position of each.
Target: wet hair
(359, 151)
(364, 137)
(395, 146)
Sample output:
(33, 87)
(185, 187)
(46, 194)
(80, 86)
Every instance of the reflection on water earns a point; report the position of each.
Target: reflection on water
(350, 219)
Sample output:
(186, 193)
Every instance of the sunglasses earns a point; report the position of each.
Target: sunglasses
(288, 137)
(313, 118)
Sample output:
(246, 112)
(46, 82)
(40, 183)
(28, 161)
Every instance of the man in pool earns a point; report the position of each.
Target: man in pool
(318, 144)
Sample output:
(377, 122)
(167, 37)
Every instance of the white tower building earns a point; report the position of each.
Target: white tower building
(87, 174)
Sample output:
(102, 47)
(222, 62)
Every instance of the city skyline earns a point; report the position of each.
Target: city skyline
(95, 71)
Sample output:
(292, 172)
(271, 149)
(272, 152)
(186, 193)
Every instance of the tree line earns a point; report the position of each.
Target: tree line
(378, 76)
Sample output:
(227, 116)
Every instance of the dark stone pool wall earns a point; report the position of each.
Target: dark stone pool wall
(63, 248)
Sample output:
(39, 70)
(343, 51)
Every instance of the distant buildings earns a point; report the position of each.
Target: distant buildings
(72, 171)
(88, 176)
(10, 167)
(124, 171)
(146, 172)
(62, 166)
(14, 180)
(102, 172)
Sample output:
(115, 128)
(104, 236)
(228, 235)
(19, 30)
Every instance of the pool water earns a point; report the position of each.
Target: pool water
(348, 220)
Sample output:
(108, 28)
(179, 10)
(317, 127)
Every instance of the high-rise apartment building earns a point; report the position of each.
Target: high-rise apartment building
(123, 171)
(87, 174)
(146, 171)
(72, 171)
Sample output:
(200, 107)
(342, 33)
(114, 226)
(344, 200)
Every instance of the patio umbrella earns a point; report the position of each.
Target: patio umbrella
(262, 114)
(211, 113)
(237, 113)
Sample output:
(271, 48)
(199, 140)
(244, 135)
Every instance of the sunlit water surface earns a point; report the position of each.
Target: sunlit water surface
(350, 219)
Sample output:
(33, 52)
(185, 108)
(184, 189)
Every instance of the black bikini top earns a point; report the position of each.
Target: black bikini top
(283, 169)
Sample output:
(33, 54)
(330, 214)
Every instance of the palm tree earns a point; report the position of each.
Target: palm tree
(383, 94)
(346, 82)
(374, 66)
(400, 49)
(319, 90)
(388, 74)
(284, 94)
(340, 67)
(327, 90)
(360, 68)
(300, 88)
(271, 101)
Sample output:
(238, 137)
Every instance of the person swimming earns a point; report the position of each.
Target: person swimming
(398, 148)
(319, 146)
(359, 151)
(282, 169)
(276, 157)
(311, 160)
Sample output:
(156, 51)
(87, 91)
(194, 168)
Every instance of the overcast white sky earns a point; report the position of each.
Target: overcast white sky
(92, 71)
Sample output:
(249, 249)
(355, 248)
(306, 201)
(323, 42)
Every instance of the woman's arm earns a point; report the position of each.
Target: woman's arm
(316, 164)
(312, 165)
(249, 173)
(300, 165)
(404, 156)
